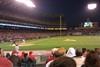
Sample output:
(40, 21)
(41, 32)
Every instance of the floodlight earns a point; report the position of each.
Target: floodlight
(21, 1)
(92, 6)
(29, 3)
(26, 2)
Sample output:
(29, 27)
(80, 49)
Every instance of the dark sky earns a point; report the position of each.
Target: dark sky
(75, 11)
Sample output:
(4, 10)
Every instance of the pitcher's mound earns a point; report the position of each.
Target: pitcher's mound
(69, 40)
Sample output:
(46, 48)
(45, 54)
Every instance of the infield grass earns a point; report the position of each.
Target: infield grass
(89, 42)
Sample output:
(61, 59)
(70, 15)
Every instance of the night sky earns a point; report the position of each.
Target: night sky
(75, 11)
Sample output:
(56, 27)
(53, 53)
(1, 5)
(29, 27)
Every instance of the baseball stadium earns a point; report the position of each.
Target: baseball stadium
(36, 31)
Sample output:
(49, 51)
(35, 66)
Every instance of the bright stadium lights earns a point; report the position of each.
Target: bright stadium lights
(26, 2)
(21, 1)
(92, 6)
(29, 3)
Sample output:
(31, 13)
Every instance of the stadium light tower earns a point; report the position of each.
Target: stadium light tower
(60, 24)
(92, 6)
(26, 2)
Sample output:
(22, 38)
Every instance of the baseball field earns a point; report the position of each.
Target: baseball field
(89, 42)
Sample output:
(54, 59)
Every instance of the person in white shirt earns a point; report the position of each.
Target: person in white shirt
(17, 48)
(79, 59)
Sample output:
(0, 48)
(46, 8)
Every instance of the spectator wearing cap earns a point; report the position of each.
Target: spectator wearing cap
(14, 58)
(58, 53)
(53, 56)
(71, 52)
(31, 56)
(22, 55)
(4, 62)
(79, 59)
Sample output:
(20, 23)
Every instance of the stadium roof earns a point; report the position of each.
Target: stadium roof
(21, 14)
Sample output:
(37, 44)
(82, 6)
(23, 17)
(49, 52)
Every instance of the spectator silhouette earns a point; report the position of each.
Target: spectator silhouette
(92, 60)
(4, 62)
(26, 61)
(14, 58)
(22, 55)
(8, 55)
(53, 55)
(63, 61)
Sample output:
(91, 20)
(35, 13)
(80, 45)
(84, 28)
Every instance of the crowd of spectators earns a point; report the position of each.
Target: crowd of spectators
(16, 60)
(74, 57)
(7, 34)
(85, 31)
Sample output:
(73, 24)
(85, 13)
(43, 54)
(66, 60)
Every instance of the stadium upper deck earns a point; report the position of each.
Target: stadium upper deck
(19, 14)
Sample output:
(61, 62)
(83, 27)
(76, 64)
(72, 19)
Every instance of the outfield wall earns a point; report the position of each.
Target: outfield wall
(40, 55)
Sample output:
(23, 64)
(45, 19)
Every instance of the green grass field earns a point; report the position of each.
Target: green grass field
(89, 42)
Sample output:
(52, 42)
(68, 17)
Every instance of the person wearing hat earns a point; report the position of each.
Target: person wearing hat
(58, 53)
(22, 55)
(71, 52)
(31, 56)
(53, 56)
(14, 58)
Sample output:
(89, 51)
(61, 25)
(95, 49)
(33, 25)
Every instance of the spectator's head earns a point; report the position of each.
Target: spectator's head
(86, 52)
(60, 52)
(71, 52)
(92, 60)
(25, 55)
(83, 50)
(15, 53)
(8, 55)
(63, 61)
(97, 50)
(30, 53)
(54, 50)
(78, 52)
